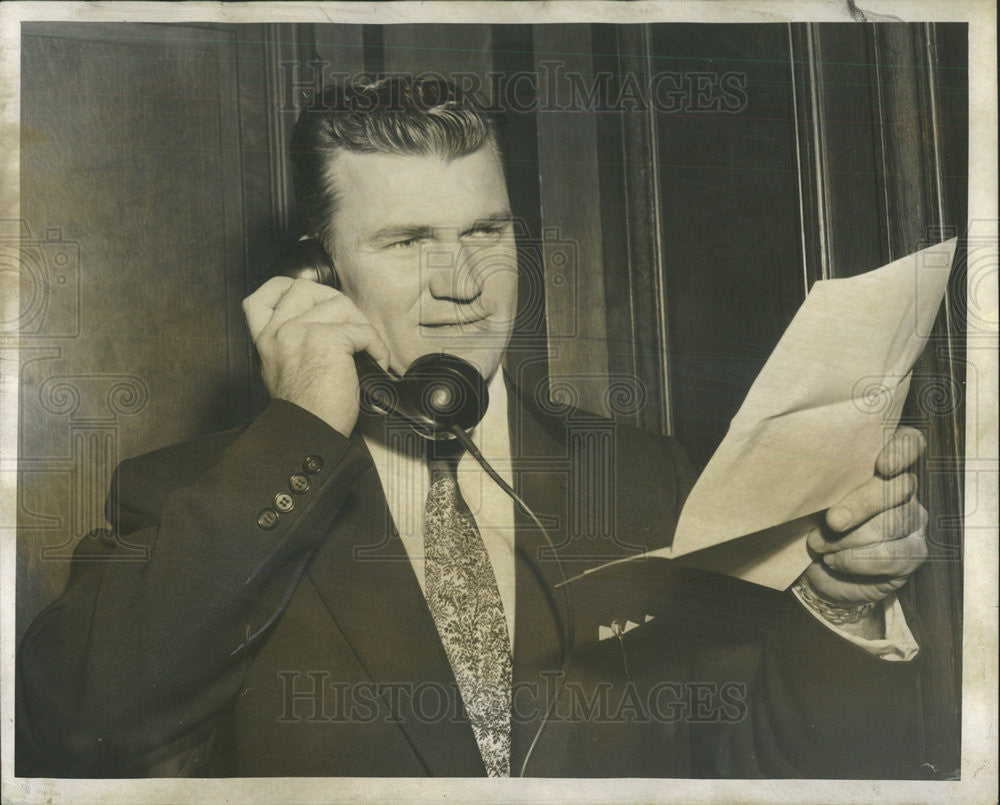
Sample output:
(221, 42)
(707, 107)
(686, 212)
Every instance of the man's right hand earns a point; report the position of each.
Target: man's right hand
(307, 334)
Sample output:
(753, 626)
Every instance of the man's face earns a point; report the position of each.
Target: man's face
(425, 248)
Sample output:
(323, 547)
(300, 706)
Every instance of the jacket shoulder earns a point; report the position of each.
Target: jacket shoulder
(642, 459)
(141, 485)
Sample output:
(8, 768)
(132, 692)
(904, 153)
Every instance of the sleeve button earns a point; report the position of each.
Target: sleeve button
(267, 519)
(284, 502)
(312, 464)
(298, 483)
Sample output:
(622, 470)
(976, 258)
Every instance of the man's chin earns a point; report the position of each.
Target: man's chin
(486, 365)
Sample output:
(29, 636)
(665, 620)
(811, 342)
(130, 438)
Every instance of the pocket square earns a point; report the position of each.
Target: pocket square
(617, 629)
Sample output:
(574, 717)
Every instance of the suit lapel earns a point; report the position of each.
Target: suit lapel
(549, 466)
(366, 581)
(536, 451)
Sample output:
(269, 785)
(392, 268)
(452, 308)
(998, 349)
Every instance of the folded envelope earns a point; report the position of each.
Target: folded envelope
(814, 421)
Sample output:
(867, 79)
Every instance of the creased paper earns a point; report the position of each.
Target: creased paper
(814, 421)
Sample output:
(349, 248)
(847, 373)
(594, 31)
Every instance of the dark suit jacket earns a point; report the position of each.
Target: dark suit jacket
(196, 642)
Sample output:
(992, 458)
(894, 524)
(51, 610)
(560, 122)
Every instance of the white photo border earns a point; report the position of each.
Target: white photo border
(979, 688)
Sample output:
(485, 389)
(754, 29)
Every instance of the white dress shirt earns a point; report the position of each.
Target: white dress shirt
(405, 478)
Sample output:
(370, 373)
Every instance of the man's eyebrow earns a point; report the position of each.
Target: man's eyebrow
(395, 232)
(401, 232)
(497, 219)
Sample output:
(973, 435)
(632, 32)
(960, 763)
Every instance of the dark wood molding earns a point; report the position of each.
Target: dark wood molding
(638, 330)
(807, 112)
(287, 47)
(876, 186)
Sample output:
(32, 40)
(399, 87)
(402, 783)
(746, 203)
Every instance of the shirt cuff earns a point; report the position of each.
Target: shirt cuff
(898, 645)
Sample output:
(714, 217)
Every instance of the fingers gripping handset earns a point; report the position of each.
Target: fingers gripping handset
(319, 351)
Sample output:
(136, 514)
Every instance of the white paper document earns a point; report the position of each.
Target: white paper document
(814, 421)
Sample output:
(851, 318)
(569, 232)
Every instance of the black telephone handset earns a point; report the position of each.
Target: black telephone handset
(438, 391)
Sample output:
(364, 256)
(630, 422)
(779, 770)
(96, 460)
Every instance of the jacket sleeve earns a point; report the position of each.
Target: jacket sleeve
(140, 651)
(802, 701)
(827, 708)
(760, 689)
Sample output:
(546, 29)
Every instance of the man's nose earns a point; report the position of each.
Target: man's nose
(454, 273)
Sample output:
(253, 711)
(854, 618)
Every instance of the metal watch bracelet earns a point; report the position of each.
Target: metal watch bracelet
(836, 615)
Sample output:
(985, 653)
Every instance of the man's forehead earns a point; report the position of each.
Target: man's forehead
(390, 184)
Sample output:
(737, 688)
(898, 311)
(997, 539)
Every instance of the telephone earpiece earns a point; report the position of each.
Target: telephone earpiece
(437, 392)
(304, 258)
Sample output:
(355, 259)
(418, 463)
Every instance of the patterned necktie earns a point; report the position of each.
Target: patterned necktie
(463, 598)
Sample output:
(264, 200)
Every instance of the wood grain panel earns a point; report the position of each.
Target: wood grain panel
(732, 244)
(882, 139)
(569, 178)
(631, 210)
(513, 55)
(452, 51)
(919, 209)
(132, 156)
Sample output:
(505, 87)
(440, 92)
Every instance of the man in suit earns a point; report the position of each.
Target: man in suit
(324, 594)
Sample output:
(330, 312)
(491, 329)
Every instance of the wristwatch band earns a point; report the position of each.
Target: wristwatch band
(837, 615)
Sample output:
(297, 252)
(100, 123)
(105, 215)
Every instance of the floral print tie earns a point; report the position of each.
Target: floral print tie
(463, 598)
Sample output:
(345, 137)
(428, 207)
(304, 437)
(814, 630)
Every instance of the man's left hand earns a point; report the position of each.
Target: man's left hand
(873, 540)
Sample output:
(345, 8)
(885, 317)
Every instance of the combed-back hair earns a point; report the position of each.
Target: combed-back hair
(397, 115)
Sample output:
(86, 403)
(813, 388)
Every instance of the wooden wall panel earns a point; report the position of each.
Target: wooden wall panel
(731, 230)
(921, 209)
(571, 220)
(448, 50)
(632, 209)
(513, 56)
(131, 159)
(882, 137)
(340, 48)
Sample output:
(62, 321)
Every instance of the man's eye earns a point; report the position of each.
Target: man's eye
(487, 234)
(403, 244)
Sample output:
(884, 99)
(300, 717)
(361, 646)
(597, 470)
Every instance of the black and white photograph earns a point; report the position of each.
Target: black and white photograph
(601, 393)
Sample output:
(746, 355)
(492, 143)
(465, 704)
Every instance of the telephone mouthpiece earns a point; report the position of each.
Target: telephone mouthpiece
(440, 391)
(441, 399)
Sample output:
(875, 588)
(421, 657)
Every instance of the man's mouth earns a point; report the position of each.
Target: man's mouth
(452, 323)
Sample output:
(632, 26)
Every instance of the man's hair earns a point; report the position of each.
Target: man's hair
(398, 115)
